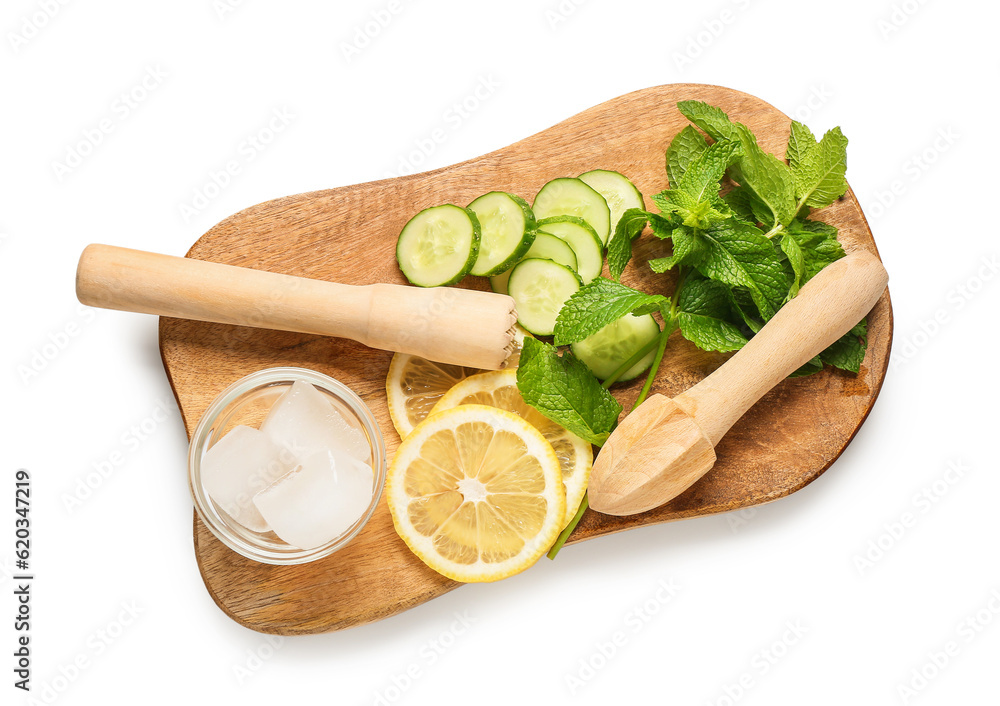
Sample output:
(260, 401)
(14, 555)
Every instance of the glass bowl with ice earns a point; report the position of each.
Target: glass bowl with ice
(286, 466)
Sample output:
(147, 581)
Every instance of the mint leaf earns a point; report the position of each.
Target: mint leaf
(811, 232)
(596, 305)
(790, 246)
(701, 180)
(819, 245)
(800, 141)
(738, 200)
(704, 296)
(630, 225)
(819, 171)
(704, 310)
(742, 304)
(691, 211)
(562, 389)
(768, 177)
(689, 249)
(712, 120)
(710, 334)
(848, 351)
(739, 255)
(683, 149)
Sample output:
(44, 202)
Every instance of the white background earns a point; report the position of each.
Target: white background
(913, 86)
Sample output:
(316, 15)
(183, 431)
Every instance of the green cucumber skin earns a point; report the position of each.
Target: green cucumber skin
(477, 233)
(570, 219)
(473, 252)
(550, 184)
(576, 220)
(529, 228)
(498, 283)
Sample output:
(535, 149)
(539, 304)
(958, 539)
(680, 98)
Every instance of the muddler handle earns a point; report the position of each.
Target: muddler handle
(826, 308)
(457, 326)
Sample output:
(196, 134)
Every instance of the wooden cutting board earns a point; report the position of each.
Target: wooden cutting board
(348, 235)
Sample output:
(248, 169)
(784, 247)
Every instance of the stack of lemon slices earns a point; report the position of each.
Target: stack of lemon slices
(482, 483)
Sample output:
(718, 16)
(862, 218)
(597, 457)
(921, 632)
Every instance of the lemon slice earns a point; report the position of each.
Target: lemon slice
(414, 384)
(499, 389)
(475, 492)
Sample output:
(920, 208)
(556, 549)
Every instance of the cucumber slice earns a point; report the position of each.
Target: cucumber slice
(438, 246)
(582, 238)
(546, 247)
(571, 197)
(508, 229)
(605, 351)
(540, 288)
(617, 190)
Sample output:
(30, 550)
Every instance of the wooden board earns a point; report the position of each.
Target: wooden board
(348, 235)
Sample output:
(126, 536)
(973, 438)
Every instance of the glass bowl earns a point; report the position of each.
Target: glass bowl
(247, 401)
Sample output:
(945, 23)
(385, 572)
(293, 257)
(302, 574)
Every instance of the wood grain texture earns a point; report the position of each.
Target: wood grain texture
(348, 234)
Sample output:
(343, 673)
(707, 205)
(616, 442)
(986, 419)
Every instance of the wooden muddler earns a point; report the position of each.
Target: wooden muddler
(444, 324)
(665, 445)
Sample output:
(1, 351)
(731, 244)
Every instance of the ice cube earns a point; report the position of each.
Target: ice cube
(240, 465)
(305, 421)
(327, 494)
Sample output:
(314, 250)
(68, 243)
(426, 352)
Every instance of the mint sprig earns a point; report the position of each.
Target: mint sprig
(704, 316)
(684, 149)
(743, 242)
(564, 390)
(819, 169)
(630, 226)
(598, 304)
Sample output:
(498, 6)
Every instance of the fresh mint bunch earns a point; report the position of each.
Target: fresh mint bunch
(743, 243)
(740, 217)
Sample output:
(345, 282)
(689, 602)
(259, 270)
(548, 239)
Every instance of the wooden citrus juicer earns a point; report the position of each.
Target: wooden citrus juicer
(665, 445)
(444, 324)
